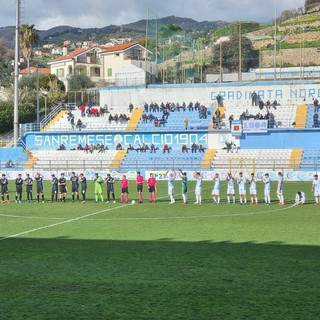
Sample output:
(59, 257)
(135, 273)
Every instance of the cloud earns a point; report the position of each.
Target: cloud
(46, 14)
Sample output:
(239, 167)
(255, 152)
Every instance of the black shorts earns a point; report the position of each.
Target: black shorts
(83, 190)
(40, 189)
(54, 190)
(152, 188)
(29, 189)
(140, 188)
(63, 189)
(75, 189)
(18, 189)
(124, 190)
(4, 189)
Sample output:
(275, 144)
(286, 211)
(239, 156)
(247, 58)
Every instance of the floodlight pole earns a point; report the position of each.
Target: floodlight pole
(16, 78)
(38, 101)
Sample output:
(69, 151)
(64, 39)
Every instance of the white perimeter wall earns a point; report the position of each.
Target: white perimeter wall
(283, 92)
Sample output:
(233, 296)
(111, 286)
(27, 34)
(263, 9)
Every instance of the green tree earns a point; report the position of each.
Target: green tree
(167, 31)
(79, 82)
(6, 58)
(230, 55)
(27, 113)
(49, 83)
(28, 37)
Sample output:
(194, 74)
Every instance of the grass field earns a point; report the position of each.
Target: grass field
(161, 261)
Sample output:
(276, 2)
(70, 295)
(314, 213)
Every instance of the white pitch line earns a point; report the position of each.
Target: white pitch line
(59, 223)
(29, 217)
(192, 217)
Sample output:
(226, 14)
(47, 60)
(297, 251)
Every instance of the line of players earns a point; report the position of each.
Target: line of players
(242, 181)
(59, 186)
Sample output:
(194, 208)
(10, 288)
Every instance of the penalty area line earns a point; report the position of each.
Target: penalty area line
(61, 223)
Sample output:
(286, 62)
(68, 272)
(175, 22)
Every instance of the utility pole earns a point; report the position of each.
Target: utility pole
(16, 78)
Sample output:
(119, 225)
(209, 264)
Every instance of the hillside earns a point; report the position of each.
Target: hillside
(136, 30)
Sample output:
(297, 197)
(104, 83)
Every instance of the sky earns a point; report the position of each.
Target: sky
(46, 14)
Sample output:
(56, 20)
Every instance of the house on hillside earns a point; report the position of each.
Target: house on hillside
(116, 59)
(102, 64)
(26, 71)
(81, 60)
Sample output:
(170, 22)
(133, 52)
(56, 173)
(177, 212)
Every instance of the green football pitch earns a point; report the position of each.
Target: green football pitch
(160, 261)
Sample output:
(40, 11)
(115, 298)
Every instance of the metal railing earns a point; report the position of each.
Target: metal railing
(6, 139)
(136, 165)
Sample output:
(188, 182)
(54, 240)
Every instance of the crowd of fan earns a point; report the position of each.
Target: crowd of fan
(166, 148)
(121, 118)
(167, 109)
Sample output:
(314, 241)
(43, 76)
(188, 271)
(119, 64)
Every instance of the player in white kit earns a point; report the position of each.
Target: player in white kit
(216, 189)
(267, 186)
(230, 188)
(316, 188)
(198, 190)
(253, 189)
(280, 189)
(242, 188)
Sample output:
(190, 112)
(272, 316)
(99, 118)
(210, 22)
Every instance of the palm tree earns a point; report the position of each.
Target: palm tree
(28, 37)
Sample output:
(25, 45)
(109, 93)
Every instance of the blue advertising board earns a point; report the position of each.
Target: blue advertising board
(52, 141)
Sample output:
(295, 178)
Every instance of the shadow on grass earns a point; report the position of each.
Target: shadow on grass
(162, 279)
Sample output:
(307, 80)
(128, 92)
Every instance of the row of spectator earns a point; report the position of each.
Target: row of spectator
(166, 148)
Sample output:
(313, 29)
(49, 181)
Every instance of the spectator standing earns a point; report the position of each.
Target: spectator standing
(316, 105)
(166, 148)
(219, 100)
(186, 123)
(194, 148)
(254, 98)
(316, 120)
(72, 123)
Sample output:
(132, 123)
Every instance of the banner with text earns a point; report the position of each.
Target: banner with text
(254, 126)
(52, 141)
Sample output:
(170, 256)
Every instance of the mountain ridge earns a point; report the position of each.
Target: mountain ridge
(65, 32)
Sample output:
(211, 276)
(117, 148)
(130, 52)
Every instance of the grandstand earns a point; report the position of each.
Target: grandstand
(175, 120)
(285, 115)
(89, 123)
(253, 159)
(310, 159)
(71, 160)
(135, 160)
(290, 144)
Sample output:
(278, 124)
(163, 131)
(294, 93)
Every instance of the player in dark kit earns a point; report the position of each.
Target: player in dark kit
(83, 182)
(110, 187)
(4, 188)
(39, 179)
(63, 187)
(19, 183)
(28, 182)
(74, 186)
(54, 192)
